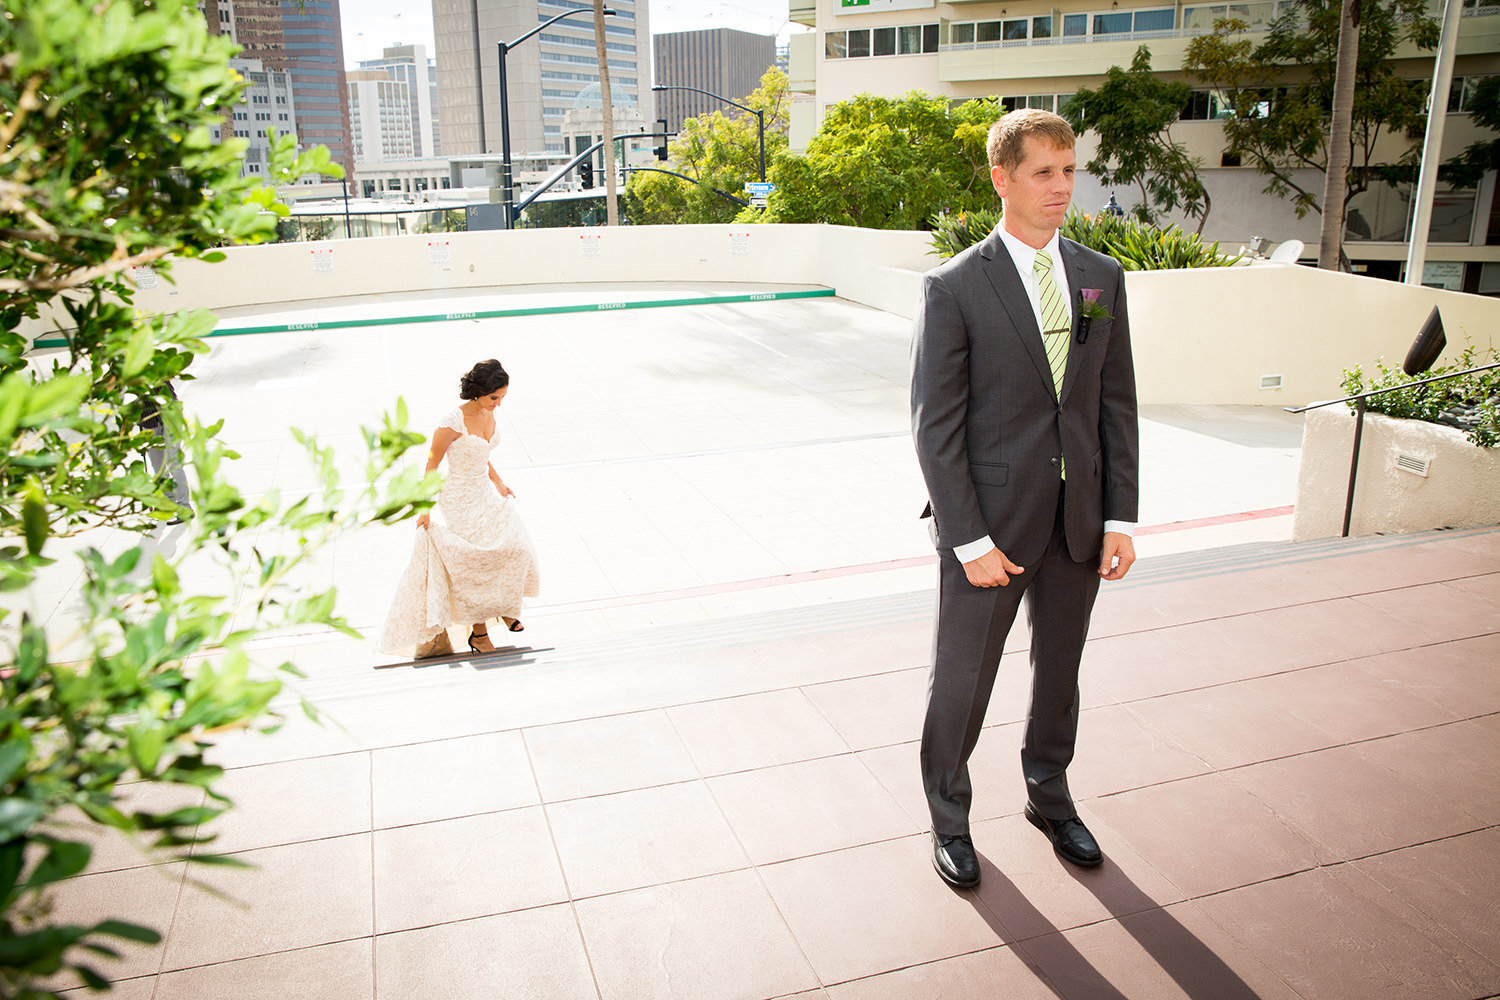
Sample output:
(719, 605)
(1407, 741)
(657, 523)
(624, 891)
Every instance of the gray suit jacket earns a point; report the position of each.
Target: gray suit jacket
(990, 429)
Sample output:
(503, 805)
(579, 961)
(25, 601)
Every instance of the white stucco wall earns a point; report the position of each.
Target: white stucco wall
(1200, 336)
(1461, 490)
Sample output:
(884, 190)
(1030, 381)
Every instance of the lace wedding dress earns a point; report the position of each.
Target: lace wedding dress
(474, 561)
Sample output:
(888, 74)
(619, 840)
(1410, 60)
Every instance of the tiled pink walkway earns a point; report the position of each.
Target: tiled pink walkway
(1289, 754)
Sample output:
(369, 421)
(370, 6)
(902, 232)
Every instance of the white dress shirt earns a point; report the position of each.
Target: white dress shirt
(1024, 258)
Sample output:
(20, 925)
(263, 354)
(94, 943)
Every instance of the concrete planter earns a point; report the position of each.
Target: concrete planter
(1460, 487)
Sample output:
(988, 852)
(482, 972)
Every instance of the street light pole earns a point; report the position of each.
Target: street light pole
(348, 229)
(508, 191)
(759, 115)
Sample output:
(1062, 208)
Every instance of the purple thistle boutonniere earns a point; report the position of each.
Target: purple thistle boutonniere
(1089, 310)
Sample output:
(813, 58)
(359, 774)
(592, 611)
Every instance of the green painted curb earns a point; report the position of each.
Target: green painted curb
(345, 324)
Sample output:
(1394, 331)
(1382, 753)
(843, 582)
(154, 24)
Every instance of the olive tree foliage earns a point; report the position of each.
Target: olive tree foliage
(107, 165)
(1132, 113)
(720, 151)
(888, 163)
(1280, 91)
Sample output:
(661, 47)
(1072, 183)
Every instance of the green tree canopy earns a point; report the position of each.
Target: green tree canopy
(888, 163)
(719, 150)
(1280, 92)
(1132, 112)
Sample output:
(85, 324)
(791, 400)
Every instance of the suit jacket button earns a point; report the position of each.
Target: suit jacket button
(1053, 460)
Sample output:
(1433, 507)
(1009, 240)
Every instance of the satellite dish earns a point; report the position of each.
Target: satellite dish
(1428, 345)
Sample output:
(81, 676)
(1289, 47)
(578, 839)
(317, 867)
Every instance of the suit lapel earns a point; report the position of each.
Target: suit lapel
(1073, 268)
(1005, 279)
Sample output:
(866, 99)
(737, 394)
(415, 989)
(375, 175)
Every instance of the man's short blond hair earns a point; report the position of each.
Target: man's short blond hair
(1008, 136)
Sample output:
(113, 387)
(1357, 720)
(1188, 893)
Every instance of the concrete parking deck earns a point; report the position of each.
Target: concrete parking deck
(697, 778)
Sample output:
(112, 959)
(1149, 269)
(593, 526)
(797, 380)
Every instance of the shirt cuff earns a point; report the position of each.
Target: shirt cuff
(970, 551)
(1126, 528)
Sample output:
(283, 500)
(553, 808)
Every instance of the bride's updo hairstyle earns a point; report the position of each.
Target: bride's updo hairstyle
(483, 379)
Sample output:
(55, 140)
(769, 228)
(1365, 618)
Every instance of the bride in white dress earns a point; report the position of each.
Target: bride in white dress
(474, 561)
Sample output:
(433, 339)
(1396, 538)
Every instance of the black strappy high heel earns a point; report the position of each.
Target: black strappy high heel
(479, 635)
(515, 625)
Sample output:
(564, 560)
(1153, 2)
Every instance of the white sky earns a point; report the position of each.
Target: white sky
(371, 25)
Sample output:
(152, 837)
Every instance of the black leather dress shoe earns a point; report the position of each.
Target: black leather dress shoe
(1070, 838)
(954, 859)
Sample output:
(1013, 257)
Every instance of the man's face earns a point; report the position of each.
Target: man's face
(1038, 191)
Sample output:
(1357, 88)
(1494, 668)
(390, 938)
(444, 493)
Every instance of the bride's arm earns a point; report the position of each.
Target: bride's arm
(505, 491)
(441, 439)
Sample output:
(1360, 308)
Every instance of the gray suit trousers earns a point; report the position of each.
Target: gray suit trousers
(969, 635)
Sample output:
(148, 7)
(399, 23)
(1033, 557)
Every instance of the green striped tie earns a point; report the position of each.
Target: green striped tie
(1055, 322)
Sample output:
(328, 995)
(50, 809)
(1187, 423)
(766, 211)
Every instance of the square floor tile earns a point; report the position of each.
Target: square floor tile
(1231, 724)
(536, 954)
(799, 809)
(611, 754)
(1116, 752)
(147, 896)
(1455, 882)
(1367, 708)
(1459, 675)
(447, 778)
(1335, 933)
(295, 896)
(839, 906)
(759, 730)
(715, 938)
(874, 711)
(1206, 834)
(343, 971)
(1350, 805)
(1033, 891)
(461, 868)
(1449, 761)
(1437, 612)
(296, 800)
(1137, 665)
(1174, 953)
(632, 839)
(898, 769)
(976, 975)
(113, 850)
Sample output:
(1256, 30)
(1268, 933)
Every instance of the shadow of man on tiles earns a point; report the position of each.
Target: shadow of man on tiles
(1192, 965)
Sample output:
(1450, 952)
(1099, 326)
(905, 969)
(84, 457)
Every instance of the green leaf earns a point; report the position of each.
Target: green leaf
(64, 859)
(17, 816)
(129, 932)
(34, 518)
(13, 753)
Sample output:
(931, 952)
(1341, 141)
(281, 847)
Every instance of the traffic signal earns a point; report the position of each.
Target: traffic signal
(586, 174)
(661, 151)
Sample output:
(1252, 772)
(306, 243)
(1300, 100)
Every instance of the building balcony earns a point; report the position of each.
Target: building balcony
(1092, 55)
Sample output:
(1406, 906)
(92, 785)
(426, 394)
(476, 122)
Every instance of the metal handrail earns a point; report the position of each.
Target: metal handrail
(1359, 423)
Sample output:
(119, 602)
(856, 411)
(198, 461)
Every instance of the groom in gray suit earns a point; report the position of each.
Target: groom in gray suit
(1024, 416)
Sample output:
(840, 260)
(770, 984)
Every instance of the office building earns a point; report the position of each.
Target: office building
(546, 73)
(723, 61)
(411, 65)
(1038, 54)
(306, 43)
(267, 105)
(380, 117)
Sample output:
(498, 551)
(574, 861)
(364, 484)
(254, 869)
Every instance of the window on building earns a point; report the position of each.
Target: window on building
(859, 43)
(929, 38)
(1075, 24)
(1154, 20)
(987, 31)
(1041, 27)
(1115, 23)
(1014, 30)
(1461, 94)
(909, 39)
(883, 42)
(835, 45)
(962, 34)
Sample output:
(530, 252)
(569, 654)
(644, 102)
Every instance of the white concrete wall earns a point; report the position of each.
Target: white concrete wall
(1200, 336)
(1461, 490)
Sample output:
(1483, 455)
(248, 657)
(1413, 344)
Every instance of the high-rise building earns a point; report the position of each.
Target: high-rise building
(306, 43)
(726, 61)
(267, 104)
(411, 65)
(545, 75)
(380, 117)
